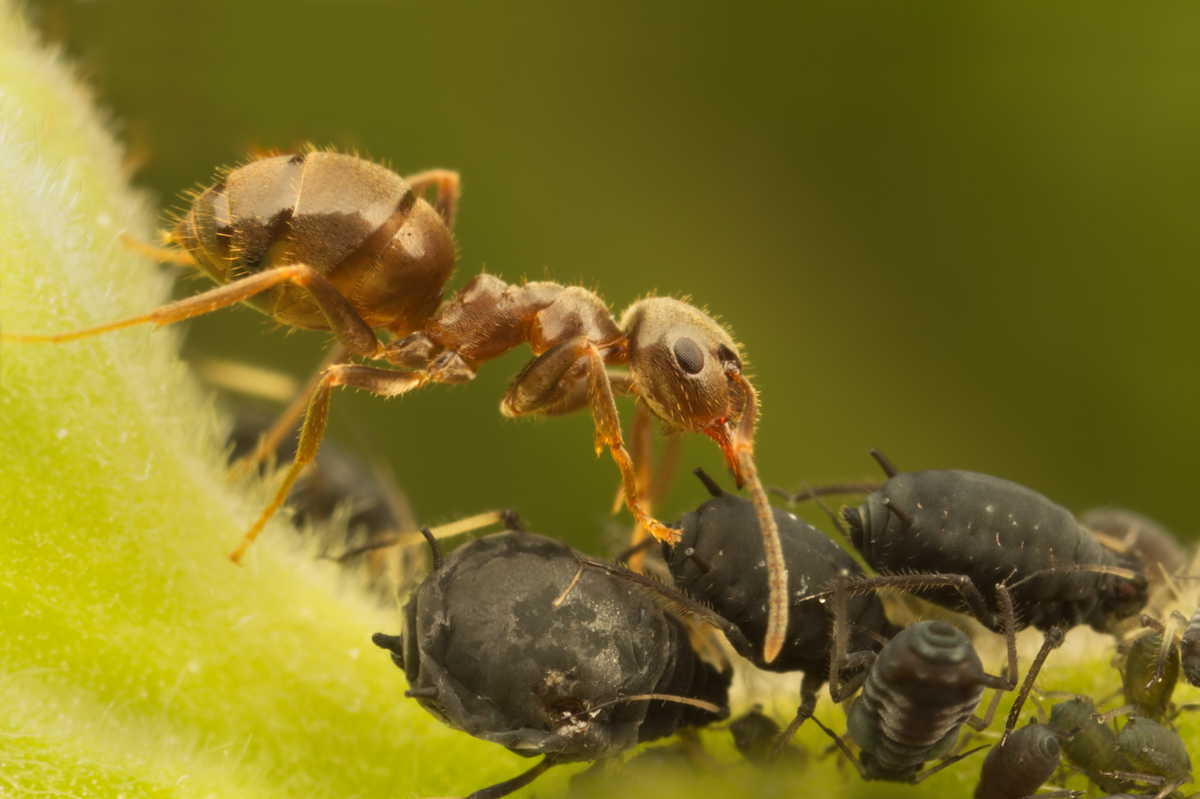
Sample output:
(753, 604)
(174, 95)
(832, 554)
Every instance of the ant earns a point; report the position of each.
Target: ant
(328, 241)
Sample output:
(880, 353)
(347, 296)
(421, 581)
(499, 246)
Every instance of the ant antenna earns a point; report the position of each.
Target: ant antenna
(434, 547)
(884, 463)
(709, 483)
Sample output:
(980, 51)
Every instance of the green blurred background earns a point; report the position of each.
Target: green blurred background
(963, 233)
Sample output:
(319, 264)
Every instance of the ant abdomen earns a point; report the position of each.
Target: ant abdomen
(359, 225)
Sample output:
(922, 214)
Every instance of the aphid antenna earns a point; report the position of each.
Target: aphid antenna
(812, 492)
(718, 710)
(460, 527)
(1128, 574)
(1124, 710)
(640, 547)
(885, 463)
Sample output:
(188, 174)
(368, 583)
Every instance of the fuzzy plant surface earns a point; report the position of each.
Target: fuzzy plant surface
(135, 659)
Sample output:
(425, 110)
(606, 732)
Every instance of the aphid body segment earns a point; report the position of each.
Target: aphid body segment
(924, 685)
(511, 641)
(994, 531)
(1021, 765)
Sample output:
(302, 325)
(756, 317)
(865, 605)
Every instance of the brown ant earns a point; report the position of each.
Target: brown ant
(327, 241)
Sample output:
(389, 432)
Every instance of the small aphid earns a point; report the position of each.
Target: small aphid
(1149, 674)
(1021, 765)
(1157, 753)
(512, 640)
(331, 242)
(1093, 747)
(925, 684)
(756, 735)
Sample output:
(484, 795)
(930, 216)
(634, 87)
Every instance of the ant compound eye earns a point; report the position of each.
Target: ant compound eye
(689, 356)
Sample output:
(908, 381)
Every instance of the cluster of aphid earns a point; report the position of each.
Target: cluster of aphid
(594, 665)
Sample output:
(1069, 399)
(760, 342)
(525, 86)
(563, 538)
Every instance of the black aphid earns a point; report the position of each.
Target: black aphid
(994, 532)
(512, 640)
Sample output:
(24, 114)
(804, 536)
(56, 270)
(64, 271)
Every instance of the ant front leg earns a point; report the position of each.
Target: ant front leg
(383, 382)
(549, 381)
(350, 328)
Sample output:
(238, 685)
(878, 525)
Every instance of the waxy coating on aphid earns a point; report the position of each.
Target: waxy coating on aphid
(332, 242)
(511, 640)
(994, 531)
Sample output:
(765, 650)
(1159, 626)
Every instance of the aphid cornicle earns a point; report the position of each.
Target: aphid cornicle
(512, 640)
(332, 242)
(925, 684)
(992, 532)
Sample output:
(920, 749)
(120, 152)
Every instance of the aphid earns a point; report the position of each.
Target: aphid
(1093, 747)
(1189, 650)
(1149, 673)
(1139, 537)
(511, 639)
(756, 737)
(993, 532)
(325, 241)
(717, 563)
(1157, 753)
(1021, 765)
(925, 684)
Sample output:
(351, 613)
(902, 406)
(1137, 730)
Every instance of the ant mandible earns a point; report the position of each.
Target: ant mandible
(327, 241)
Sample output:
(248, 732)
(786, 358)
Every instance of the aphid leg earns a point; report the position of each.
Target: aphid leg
(862, 770)
(808, 703)
(516, 783)
(777, 578)
(839, 657)
(950, 761)
(1053, 640)
(450, 530)
(1166, 646)
(1124, 710)
(163, 255)
(344, 321)
(289, 419)
(970, 594)
(448, 189)
(384, 382)
(884, 463)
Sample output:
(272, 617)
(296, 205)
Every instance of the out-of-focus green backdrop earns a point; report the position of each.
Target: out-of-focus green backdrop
(967, 234)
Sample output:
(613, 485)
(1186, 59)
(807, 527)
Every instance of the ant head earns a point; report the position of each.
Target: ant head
(687, 369)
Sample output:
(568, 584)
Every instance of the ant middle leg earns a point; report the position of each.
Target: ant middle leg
(383, 382)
